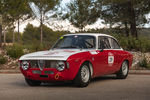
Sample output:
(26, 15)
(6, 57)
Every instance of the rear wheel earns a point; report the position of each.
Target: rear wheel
(123, 72)
(83, 77)
(32, 82)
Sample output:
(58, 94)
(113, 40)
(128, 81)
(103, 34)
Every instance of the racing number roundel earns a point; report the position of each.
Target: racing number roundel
(110, 59)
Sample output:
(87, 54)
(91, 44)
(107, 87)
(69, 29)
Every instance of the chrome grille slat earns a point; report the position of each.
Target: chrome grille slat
(48, 64)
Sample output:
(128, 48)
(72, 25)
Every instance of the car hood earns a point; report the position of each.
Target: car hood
(50, 55)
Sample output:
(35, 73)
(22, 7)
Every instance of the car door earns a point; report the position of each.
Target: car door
(117, 51)
(101, 58)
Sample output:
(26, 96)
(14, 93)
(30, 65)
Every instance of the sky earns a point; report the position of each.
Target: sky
(65, 24)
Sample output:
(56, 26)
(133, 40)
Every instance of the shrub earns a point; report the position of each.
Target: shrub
(144, 63)
(15, 51)
(130, 43)
(34, 47)
(3, 59)
(148, 65)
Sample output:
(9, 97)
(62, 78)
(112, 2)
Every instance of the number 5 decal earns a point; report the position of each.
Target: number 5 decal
(110, 59)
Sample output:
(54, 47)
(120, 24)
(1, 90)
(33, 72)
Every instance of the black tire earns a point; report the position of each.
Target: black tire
(123, 72)
(80, 80)
(32, 82)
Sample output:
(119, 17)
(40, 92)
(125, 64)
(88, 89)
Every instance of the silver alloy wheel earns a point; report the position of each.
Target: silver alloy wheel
(124, 68)
(85, 74)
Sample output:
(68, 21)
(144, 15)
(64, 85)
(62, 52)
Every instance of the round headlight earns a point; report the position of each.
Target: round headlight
(25, 65)
(60, 66)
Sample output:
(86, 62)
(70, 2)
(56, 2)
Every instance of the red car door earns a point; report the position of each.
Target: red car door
(114, 56)
(112, 61)
(101, 59)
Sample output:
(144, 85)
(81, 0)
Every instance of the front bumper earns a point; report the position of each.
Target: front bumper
(49, 74)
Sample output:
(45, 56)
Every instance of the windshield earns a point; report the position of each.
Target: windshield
(75, 42)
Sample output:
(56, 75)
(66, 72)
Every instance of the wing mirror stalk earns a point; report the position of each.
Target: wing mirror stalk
(102, 50)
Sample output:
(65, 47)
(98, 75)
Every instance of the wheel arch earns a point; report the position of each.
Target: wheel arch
(126, 61)
(90, 66)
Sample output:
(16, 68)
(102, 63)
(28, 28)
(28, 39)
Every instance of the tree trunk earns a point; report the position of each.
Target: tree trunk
(133, 21)
(126, 29)
(18, 30)
(4, 37)
(0, 35)
(13, 37)
(41, 27)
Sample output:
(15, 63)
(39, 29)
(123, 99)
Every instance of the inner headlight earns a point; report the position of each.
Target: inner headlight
(60, 66)
(25, 65)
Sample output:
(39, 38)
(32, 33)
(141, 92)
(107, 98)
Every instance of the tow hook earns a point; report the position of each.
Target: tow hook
(57, 76)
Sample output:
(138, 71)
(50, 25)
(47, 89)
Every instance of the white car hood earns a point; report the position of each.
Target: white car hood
(50, 55)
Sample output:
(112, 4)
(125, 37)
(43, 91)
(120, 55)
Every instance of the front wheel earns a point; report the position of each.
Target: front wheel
(123, 72)
(83, 77)
(32, 82)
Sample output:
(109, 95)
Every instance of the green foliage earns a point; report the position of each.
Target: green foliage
(130, 43)
(148, 65)
(45, 5)
(82, 12)
(144, 63)
(9, 36)
(31, 38)
(3, 59)
(123, 13)
(15, 51)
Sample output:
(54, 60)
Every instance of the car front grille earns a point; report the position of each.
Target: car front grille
(47, 64)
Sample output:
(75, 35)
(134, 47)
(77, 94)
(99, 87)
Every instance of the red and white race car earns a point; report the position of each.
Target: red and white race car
(77, 57)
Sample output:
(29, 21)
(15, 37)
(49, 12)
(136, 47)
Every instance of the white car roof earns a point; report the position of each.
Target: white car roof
(92, 34)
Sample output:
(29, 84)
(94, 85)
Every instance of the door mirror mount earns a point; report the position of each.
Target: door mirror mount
(102, 50)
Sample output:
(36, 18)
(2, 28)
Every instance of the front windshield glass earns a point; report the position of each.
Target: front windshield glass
(75, 42)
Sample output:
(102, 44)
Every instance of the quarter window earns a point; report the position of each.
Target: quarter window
(114, 44)
(103, 43)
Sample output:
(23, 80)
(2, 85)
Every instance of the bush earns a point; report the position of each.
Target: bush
(34, 47)
(144, 63)
(3, 59)
(148, 65)
(130, 43)
(15, 51)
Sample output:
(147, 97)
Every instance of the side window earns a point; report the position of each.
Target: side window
(114, 44)
(103, 43)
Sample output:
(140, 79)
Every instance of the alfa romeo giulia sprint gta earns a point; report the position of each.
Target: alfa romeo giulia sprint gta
(77, 58)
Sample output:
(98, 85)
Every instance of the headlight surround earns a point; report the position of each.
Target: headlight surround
(25, 65)
(60, 65)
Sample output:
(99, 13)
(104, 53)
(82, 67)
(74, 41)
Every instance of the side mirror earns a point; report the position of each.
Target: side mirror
(102, 50)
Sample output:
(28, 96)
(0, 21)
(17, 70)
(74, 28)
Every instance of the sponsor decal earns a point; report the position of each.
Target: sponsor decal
(110, 59)
(61, 37)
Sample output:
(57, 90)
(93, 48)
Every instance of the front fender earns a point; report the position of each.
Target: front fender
(76, 61)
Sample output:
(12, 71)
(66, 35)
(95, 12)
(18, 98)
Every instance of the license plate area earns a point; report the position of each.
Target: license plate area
(44, 76)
